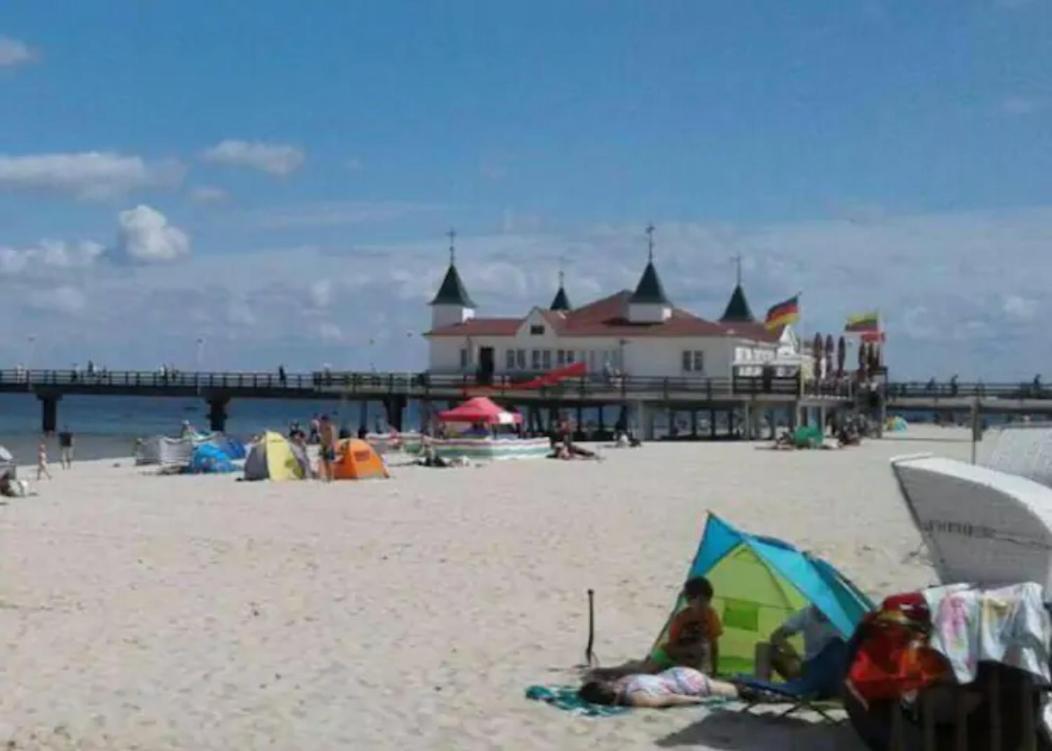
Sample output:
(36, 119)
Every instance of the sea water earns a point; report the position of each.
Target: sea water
(107, 426)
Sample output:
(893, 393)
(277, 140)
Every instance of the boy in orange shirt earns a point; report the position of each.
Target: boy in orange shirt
(693, 633)
(691, 640)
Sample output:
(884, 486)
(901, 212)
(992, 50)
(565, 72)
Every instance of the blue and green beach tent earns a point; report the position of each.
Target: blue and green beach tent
(761, 581)
(208, 458)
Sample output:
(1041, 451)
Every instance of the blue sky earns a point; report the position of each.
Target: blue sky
(289, 167)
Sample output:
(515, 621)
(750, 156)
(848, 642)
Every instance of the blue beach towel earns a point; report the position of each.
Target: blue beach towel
(567, 699)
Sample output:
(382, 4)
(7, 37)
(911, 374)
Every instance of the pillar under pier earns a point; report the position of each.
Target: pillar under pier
(217, 414)
(49, 417)
(394, 406)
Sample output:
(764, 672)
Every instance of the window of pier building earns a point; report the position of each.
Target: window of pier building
(536, 329)
(693, 361)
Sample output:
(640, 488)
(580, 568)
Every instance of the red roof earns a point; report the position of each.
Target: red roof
(605, 317)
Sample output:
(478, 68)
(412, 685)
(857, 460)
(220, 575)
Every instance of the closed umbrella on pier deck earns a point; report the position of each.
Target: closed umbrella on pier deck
(841, 355)
(816, 350)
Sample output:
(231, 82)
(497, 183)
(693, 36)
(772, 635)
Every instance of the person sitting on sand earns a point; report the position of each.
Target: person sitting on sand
(693, 632)
(669, 688)
(691, 639)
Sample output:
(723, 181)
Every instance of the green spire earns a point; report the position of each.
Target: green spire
(452, 291)
(561, 301)
(650, 289)
(738, 310)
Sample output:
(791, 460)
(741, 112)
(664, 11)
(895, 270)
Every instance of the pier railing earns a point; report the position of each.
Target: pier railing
(327, 383)
(957, 390)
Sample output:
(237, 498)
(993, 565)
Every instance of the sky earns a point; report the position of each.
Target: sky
(276, 178)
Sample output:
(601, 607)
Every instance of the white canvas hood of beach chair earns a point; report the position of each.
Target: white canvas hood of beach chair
(7, 461)
(1019, 449)
(980, 525)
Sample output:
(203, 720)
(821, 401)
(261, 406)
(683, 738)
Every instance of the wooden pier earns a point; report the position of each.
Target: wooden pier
(744, 400)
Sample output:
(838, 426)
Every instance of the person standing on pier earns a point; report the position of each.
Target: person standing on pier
(65, 445)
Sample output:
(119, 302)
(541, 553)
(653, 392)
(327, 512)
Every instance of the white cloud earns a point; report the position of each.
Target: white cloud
(14, 53)
(208, 194)
(1020, 105)
(337, 214)
(272, 158)
(239, 313)
(54, 254)
(145, 236)
(330, 332)
(86, 175)
(1019, 308)
(62, 299)
(321, 293)
(946, 285)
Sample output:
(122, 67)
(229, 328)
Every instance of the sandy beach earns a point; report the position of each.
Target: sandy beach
(146, 612)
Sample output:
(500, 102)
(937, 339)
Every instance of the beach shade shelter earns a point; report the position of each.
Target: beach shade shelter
(480, 410)
(275, 458)
(232, 448)
(808, 437)
(357, 460)
(208, 459)
(163, 450)
(979, 524)
(761, 581)
(7, 463)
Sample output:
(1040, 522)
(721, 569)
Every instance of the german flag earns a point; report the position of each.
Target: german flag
(783, 313)
(868, 321)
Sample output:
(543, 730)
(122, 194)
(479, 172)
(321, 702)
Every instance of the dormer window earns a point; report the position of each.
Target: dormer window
(536, 330)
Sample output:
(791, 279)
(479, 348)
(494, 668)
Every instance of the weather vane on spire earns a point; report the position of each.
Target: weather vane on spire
(452, 235)
(650, 241)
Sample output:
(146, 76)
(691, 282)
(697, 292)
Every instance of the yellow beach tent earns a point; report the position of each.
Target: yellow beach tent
(274, 458)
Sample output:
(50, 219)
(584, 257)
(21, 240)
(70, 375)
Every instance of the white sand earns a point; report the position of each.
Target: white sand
(204, 613)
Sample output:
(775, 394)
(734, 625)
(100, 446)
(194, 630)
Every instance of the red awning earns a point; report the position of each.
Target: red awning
(480, 409)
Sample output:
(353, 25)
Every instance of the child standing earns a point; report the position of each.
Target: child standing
(42, 460)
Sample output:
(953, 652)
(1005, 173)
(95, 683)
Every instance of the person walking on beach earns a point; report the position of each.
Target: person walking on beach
(65, 444)
(42, 460)
(327, 450)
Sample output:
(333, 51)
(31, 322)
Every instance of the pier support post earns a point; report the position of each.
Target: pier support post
(712, 423)
(394, 406)
(646, 421)
(49, 418)
(694, 424)
(747, 422)
(217, 414)
(602, 422)
(363, 415)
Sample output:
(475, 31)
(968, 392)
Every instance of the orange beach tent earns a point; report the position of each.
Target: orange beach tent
(356, 460)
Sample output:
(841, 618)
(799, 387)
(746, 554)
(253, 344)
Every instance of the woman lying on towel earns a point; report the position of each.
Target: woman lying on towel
(669, 688)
